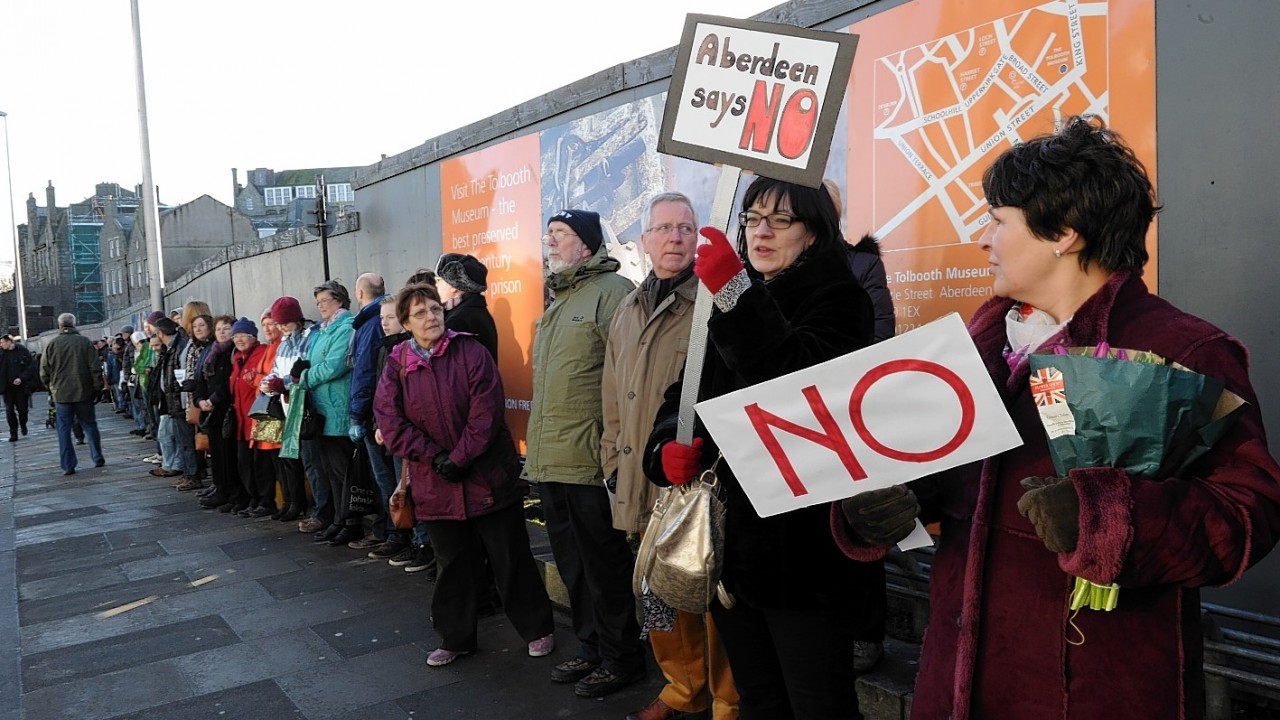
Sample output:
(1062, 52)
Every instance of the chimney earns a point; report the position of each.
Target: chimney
(235, 186)
(49, 200)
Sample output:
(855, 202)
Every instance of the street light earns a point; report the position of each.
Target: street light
(13, 227)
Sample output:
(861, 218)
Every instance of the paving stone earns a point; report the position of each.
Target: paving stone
(125, 651)
(255, 660)
(69, 566)
(58, 515)
(274, 617)
(85, 579)
(107, 696)
(378, 630)
(259, 700)
(345, 689)
(96, 599)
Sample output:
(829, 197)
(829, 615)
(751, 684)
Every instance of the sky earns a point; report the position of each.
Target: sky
(285, 84)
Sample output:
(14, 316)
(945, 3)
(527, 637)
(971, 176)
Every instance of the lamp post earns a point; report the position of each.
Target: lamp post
(13, 227)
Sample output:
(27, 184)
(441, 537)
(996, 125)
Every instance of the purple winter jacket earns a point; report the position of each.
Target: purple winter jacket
(451, 403)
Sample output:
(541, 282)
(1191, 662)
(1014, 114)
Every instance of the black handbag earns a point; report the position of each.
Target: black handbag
(265, 407)
(312, 425)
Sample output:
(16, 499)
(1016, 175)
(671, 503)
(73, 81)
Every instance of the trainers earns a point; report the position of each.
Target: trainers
(154, 459)
(310, 525)
(573, 670)
(368, 542)
(386, 551)
(402, 558)
(866, 654)
(441, 657)
(424, 558)
(603, 682)
(542, 646)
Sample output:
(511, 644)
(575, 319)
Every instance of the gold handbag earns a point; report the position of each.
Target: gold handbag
(270, 430)
(688, 544)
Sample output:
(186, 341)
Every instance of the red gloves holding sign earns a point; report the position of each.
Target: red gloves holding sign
(718, 266)
(682, 463)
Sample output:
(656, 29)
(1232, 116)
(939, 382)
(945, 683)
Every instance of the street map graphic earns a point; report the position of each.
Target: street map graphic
(945, 108)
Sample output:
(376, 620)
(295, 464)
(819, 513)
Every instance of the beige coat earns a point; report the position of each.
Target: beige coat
(644, 355)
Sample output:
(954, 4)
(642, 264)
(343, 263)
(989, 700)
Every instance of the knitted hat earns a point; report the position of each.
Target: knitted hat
(153, 317)
(286, 310)
(126, 330)
(464, 272)
(166, 326)
(244, 325)
(585, 223)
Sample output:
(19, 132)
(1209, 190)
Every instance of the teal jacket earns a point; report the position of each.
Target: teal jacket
(327, 384)
(567, 418)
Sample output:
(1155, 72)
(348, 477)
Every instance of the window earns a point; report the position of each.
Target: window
(279, 195)
(340, 192)
(305, 191)
(248, 204)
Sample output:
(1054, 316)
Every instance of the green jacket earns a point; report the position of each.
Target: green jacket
(69, 367)
(568, 361)
(327, 384)
(142, 360)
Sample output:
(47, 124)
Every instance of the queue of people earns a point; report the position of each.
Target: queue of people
(300, 419)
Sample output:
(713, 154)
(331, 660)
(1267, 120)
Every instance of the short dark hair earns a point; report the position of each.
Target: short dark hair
(423, 276)
(223, 319)
(337, 290)
(409, 294)
(812, 206)
(1082, 178)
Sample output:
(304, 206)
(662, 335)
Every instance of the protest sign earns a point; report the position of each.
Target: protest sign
(896, 411)
(755, 95)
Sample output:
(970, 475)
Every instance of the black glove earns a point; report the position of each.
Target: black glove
(1053, 507)
(299, 365)
(446, 469)
(881, 517)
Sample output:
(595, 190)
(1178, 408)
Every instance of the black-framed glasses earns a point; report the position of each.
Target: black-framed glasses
(776, 221)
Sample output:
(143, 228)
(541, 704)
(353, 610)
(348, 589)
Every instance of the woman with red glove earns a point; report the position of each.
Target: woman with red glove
(785, 300)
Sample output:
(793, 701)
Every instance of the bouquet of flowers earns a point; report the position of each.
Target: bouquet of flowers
(1127, 409)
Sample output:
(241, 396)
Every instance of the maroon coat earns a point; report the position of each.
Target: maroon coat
(997, 642)
(452, 403)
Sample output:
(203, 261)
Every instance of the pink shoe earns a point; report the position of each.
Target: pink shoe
(441, 657)
(542, 646)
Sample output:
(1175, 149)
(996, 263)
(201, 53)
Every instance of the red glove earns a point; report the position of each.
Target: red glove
(275, 384)
(682, 463)
(716, 262)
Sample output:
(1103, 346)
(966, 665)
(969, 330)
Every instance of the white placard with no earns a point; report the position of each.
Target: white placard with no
(896, 411)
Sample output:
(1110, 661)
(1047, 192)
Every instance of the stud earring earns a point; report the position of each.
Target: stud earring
(1057, 253)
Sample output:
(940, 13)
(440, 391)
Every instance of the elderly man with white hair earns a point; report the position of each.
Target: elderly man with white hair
(69, 368)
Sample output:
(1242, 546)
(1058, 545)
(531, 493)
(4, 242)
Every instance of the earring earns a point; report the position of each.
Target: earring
(1057, 253)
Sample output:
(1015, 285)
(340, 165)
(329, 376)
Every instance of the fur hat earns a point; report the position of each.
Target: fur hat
(464, 272)
(244, 325)
(166, 326)
(286, 310)
(585, 223)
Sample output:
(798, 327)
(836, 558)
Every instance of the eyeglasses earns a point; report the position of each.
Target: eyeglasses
(423, 313)
(557, 236)
(776, 221)
(665, 229)
(321, 302)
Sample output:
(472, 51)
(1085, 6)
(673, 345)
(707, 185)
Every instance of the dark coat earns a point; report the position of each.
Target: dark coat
(16, 364)
(213, 383)
(812, 312)
(366, 339)
(452, 403)
(471, 315)
(69, 367)
(171, 359)
(868, 269)
(998, 638)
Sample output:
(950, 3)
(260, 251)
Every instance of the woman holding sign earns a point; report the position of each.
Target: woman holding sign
(1069, 219)
(785, 300)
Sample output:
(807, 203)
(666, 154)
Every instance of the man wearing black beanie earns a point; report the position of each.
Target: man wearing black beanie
(565, 427)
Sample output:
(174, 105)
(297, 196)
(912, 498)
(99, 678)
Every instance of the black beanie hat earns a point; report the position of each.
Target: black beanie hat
(585, 223)
(464, 272)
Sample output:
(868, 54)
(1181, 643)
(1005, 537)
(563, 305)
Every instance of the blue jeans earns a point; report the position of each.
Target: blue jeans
(67, 413)
(185, 432)
(139, 409)
(167, 437)
(323, 509)
(386, 479)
